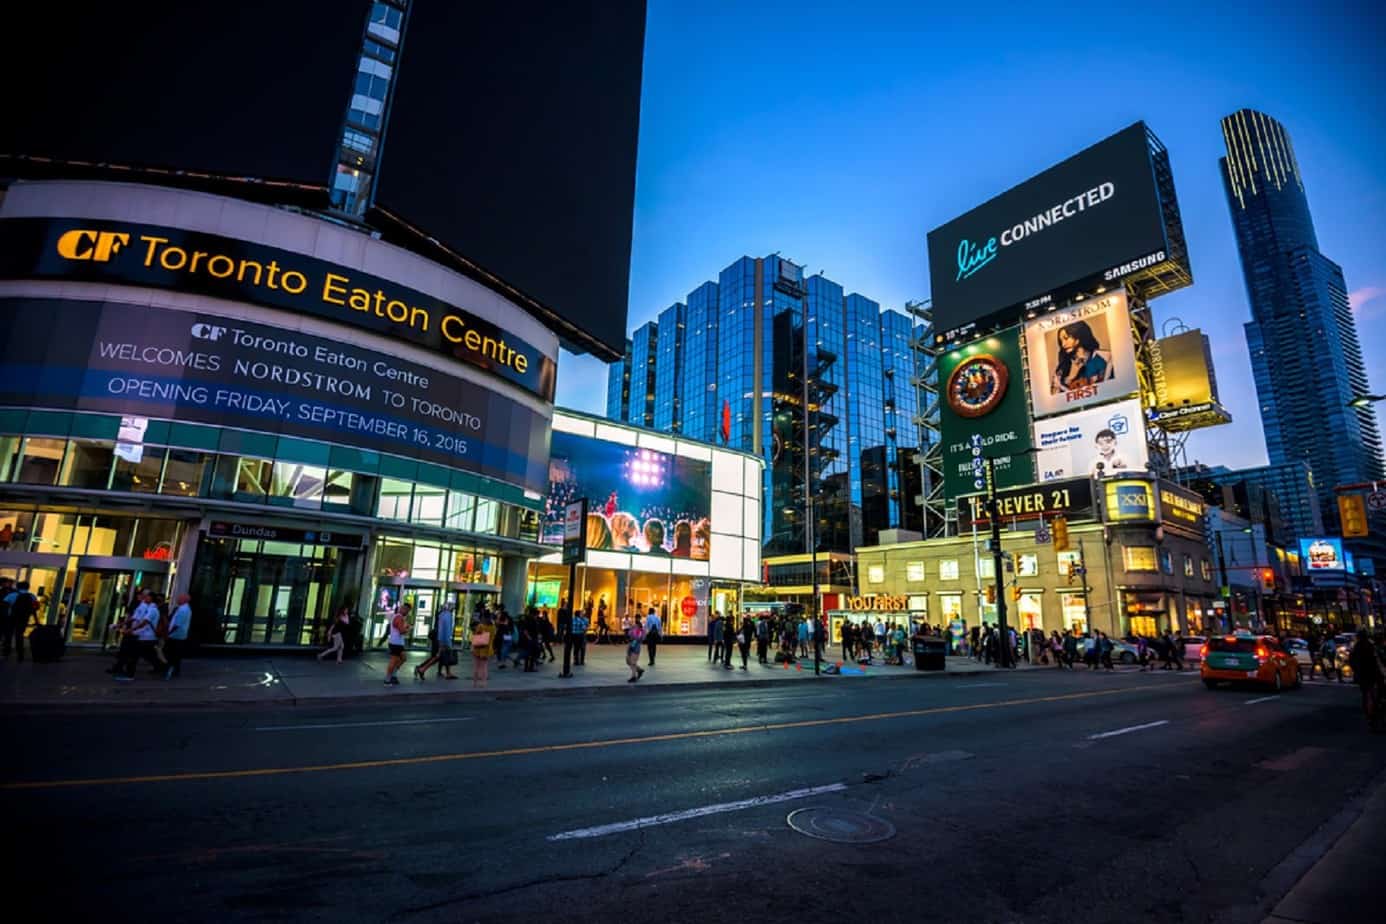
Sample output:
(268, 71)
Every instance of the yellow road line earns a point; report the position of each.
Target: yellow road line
(554, 748)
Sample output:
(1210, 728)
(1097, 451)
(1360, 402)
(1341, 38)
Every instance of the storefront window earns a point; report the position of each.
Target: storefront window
(1138, 557)
(986, 568)
(1030, 609)
(487, 515)
(1188, 566)
(1074, 610)
(1027, 565)
(426, 562)
(395, 497)
(948, 570)
(157, 539)
(254, 478)
(1166, 561)
(950, 607)
(88, 465)
(111, 536)
(139, 470)
(394, 559)
(430, 504)
(1207, 569)
(52, 533)
(875, 574)
(39, 461)
(336, 493)
(184, 472)
(9, 455)
(15, 526)
(298, 485)
(460, 509)
(914, 571)
(1067, 562)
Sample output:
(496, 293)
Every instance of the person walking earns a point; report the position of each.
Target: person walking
(1328, 655)
(1070, 649)
(336, 634)
(1104, 650)
(579, 632)
(1369, 675)
(529, 640)
(729, 636)
(715, 639)
(505, 627)
(446, 654)
(654, 628)
(546, 634)
(141, 628)
(849, 646)
(748, 632)
(179, 622)
(762, 640)
(399, 627)
(20, 608)
(803, 633)
(483, 646)
(6, 632)
(634, 636)
(603, 628)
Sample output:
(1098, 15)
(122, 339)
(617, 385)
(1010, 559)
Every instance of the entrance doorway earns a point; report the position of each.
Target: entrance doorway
(275, 599)
(101, 597)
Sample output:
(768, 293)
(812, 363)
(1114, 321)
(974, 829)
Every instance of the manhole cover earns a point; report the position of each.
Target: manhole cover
(839, 826)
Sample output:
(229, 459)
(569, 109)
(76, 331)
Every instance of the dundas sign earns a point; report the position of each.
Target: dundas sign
(172, 258)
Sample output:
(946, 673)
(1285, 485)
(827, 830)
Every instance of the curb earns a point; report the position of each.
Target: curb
(612, 689)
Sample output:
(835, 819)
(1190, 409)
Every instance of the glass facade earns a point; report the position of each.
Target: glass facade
(737, 353)
(363, 131)
(644, 351)
(1298, 297)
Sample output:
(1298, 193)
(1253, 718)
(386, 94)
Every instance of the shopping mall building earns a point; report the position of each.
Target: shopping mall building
(277, 413)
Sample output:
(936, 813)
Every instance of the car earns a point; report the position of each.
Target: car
(1247, 658)
(1124, 651)
(1303, 657)
(1193, 647)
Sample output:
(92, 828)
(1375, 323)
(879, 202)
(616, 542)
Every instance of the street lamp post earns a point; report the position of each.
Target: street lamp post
(1003, 640)
(809, 513)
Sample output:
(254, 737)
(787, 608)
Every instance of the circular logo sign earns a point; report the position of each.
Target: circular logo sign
(689, 605)
(977, 386)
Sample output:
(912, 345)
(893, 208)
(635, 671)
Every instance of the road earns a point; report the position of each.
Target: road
(1035, 796)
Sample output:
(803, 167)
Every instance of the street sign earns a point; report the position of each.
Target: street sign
(575, 532)
(1041, 536)
(1376, 501)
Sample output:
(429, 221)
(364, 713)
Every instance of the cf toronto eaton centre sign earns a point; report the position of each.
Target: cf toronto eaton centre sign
(209, 264)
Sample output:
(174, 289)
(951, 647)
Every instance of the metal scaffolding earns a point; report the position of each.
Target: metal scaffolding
(930, 458)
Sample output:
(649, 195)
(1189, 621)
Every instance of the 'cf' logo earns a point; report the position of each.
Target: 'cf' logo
(98, 246)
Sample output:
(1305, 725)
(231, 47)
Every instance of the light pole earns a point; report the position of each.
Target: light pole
(809, 513)
(1003, 640)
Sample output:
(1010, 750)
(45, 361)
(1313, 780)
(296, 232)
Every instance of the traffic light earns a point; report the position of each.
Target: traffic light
(1352, 511)
(1059, 527)
(991, 594)
(1015, 593)
(1267, 580)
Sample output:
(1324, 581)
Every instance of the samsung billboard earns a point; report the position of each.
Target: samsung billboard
(1097, 214)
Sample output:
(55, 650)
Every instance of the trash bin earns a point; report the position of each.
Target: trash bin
(929, 653)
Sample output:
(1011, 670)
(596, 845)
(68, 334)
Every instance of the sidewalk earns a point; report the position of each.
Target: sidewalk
(80, 678)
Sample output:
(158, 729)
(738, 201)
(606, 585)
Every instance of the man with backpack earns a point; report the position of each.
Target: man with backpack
(20, 607)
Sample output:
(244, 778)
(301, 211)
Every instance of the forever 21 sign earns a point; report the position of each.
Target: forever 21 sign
(1070, 497)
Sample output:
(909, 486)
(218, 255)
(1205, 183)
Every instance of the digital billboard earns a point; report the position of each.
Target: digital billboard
(983, 414)
(1096, 214)
(1082, 355)
(638, 500)
(1129, 500)
(1099, 441)
(1321, 554)
(143, 362)
(1184, 383)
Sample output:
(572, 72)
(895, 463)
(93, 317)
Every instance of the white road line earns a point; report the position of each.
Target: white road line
(1263, 699)
(671, 817)
(273, 728)
(1128, 730)
(978, 686)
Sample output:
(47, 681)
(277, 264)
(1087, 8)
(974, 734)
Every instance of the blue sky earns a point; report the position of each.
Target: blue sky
(840, 133)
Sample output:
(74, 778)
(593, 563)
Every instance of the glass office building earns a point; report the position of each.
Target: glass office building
(1306, 359)
(744, 354)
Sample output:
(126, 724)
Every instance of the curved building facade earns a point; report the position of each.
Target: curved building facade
(275, 412)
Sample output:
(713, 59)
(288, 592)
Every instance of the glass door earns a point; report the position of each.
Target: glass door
(100, 599)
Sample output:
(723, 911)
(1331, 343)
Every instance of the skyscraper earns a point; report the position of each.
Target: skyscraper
(729, 365)
(1305, 356)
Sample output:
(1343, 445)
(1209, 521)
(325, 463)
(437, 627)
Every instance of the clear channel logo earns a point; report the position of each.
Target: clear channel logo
(972, 257)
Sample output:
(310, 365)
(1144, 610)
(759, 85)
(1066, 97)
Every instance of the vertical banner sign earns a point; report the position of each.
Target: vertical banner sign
(983, 415)
(575, 532)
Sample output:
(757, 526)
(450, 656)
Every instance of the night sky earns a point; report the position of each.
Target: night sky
(840, 134)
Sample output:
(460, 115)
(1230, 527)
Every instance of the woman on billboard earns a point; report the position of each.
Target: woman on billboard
(1082, 361)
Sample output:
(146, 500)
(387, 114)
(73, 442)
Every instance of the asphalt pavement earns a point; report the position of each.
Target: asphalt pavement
(1028, 796)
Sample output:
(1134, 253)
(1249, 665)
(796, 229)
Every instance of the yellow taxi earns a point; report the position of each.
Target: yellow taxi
(1247, 658)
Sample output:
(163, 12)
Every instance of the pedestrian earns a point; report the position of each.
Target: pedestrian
(444, 655)
(505, 627)
(579, 632)
(1056, 645)
(176, 637)
(6, 631)
(482, 642)
(529, 640)
(141, 629)
(803, 633)
(762, 640)
(1369, 675)
(1070, 649)
(1176, 651)
(399, 626)
(20, 609)
(337, 631)
(849, 641)
(715, 634)
(729, 635)
(653, 629)
(1104, 650)
(744, 637)
(603, 628)
(634, 636)
(546, 634)
(1328, 654)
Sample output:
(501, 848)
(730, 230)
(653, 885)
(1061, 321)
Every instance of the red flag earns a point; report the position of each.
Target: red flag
(726, 422)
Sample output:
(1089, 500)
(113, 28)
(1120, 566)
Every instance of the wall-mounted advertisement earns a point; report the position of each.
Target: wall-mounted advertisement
(1129, 499)
(638, 500)
(1321, 554)
(1184, 384)
(983, 415)
(1100, 441)
(143, 362)
(1082, 355)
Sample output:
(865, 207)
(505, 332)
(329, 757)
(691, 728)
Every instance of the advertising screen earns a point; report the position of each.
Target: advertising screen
(1321, 554)
(1099, 441)
(1081, 355)
(201, 368)
(1097, 211)
(638, 500)
(983, 414)
(1129, 500)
